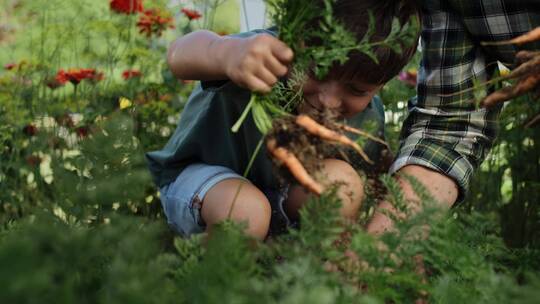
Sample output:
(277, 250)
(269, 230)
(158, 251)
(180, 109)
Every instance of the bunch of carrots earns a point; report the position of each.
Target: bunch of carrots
(527, 72)
(287, 158)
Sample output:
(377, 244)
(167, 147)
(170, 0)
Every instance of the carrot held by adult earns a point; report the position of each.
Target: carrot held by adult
(531, 36)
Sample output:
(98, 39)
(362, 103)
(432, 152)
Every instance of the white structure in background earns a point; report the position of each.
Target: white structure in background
(252, 14)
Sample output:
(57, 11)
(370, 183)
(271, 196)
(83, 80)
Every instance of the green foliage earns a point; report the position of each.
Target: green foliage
(47, 261)
(508, 181)
(80, 220)
(224, 271)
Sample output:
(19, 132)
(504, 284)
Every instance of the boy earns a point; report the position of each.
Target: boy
(198, 171)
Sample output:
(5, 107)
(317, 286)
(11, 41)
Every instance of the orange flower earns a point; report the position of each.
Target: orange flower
(75, 76)
(191, 13)
(154, 22)
(126, 6)
(127, 74)
(61, 77)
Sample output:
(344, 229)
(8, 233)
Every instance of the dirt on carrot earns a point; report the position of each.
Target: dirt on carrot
(298, 145)
(308, 148)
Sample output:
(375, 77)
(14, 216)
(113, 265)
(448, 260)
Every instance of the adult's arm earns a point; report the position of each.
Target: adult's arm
(445, 131)
(445, 136)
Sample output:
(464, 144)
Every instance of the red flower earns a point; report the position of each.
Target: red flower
(126, 6)
(10, 66)
(82, 132)
(92, 75)
(30, 130)
(191, 13)
(127, 74)
(33, 160)
(154, 22)
(75, 76)
(61, 77)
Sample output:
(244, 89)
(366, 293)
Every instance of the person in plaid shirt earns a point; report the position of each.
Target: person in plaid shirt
(446, 137)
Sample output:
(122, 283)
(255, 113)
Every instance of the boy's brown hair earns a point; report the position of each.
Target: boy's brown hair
(355, 16)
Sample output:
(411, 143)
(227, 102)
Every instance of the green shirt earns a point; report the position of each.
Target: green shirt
(204, 135)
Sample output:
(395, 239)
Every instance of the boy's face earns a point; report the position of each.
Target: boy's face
(348, 98)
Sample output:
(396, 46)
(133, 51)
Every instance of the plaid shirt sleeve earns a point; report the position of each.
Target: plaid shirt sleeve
(444, 130)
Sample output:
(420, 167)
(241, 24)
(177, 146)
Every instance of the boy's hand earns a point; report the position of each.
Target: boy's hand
(256, 62)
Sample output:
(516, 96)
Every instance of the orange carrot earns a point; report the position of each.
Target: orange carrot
(531, 36)
(523, 86)
(524, 56)
(295, 167)
(530, 66)
(323, 132)
(362, 133)
(529, 63)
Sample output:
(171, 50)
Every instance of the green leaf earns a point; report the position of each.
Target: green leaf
(371, 55)
(370, 30)
(261, 118)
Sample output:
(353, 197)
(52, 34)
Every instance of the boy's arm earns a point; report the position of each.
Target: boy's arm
(255, 62)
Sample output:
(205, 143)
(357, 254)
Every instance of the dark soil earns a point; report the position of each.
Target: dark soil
(308, 148)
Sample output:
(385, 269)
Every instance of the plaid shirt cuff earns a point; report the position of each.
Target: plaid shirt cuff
(438, 156)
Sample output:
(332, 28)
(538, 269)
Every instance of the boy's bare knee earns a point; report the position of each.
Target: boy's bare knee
(242, 201)
(334, 172)
(350, 186)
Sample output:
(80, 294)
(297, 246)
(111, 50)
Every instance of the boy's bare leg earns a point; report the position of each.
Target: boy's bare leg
(351, 190)
(250, 206)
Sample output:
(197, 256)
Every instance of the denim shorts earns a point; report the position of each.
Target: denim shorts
(182, 199)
